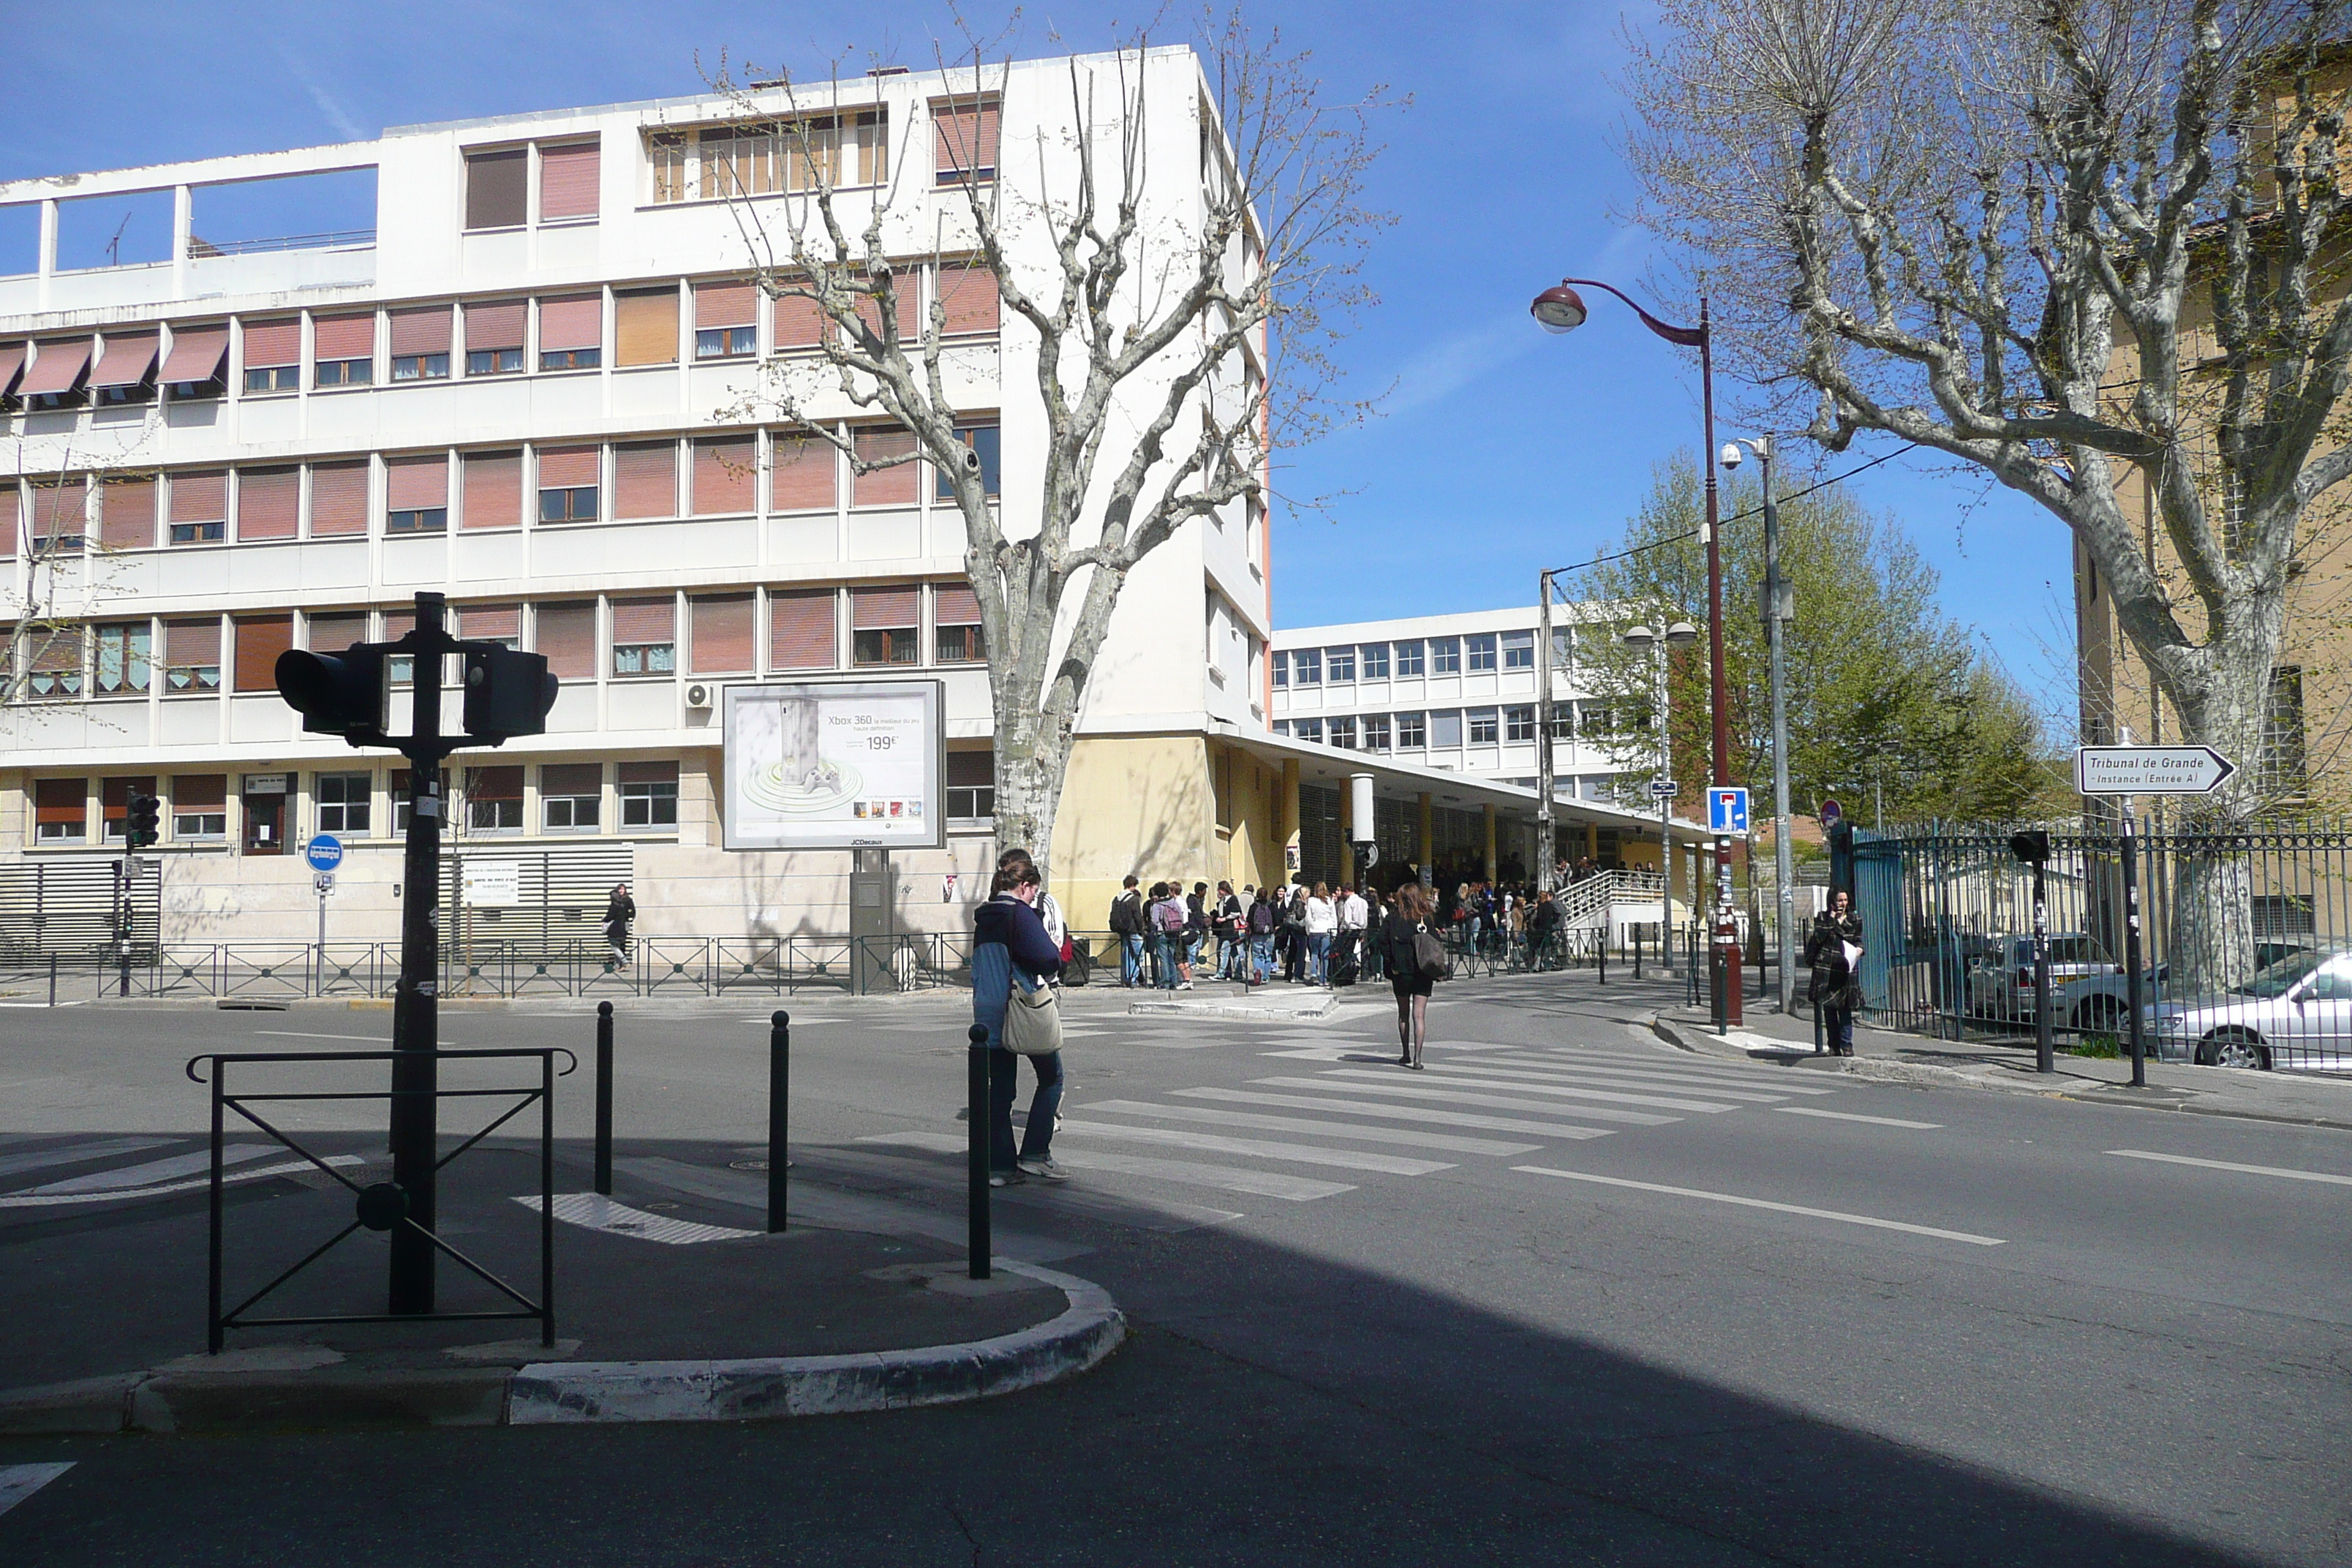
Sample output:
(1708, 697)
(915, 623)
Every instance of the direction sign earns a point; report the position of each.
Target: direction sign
(2151, 770)
(1726, 809)
(325, 882)
(1664, 789)
(325, 853)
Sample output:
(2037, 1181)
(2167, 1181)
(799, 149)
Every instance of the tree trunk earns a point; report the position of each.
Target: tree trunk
(1031, 758)
(2211, 947)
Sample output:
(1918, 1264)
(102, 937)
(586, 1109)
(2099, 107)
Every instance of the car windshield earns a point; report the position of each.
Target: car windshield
(2281, 977)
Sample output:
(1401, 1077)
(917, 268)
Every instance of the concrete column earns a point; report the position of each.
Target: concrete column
(1490, 842)
(184, 225)
(1288, 827)
(1428, 840)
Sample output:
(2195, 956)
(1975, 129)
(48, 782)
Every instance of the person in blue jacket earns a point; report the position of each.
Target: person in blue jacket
(1009, 947)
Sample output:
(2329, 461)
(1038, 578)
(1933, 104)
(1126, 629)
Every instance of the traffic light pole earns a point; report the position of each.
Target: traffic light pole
(415, 1007)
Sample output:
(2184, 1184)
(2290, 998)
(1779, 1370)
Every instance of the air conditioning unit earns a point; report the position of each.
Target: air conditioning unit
(700, 695)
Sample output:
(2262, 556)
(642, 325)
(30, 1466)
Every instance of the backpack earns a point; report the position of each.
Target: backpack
(1294, 914)
(1125, 916)
(1261, 919)
(1168, 915)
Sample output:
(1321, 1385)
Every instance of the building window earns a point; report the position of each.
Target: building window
(1482, 726)
(60, 811)
(192, 661)
(972, 785)
(986, 443)
(1341, 663)
(495, 183)
(1308, 730)
(494, 800)
(1519, 723)
(644, 636)
(955, 625)
(417, 520)
(1376, 661)
(1411, 732)
(1518, 650)
(1281, 668)
(1376, 733)
(114, 805)
(1409, 657)
(123, 656)
(273, 378)
(1343, 733)
(211, 532)
(55, 674)
(1306, 666)
(1445, 730)
(1282, 726)
(1563, 721)
(726, 342)
(420, 367)
(572, 796)
(493, 362)
(571, 503)
(649, 795)
(343, 801)
(200, 806)
(571, 359)
(1482, 653)
(2281, 770)
(342, 372)
(1444, 655)
(883, 626)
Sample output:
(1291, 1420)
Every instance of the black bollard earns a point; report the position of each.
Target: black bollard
(605, 1098)
(1637, 952)
(779, 1113)
(978, 1241)
(53, 980)
(1601, 950)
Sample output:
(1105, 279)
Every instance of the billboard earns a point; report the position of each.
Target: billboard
(825, 766)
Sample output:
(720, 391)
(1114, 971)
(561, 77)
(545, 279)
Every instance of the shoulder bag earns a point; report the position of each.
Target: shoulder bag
(1033, 1019)
(1428, 953)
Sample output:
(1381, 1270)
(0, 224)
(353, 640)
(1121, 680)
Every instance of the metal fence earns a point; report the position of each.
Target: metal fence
(2245, 938)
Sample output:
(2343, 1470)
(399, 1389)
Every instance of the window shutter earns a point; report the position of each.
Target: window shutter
(490, 621)
(495, 188)
(725, 469)
(493, 489)
(800, 629)
(882, 609)
(418, 483)
(58, 651)
(567, 637)
(127, 360)
(61, 510)
(200, 498)
(126, 516)
(58, 368)
(645, 327)
(576, 321)
(422, 330)
(12, 365)
(969, 294)
(192, 642)
(269, 502)
(7, 520)
(955, 604)
(568, 467)
(725, 304)
(494, 325)
(800, 324)
(970, 769)
(722, 633)
(60, 800)
(964, 137)
(494, 784)
(890, 486)
(198, 353)
(333, 633)
(645, 480)
(572, 778)
(801, 475)
(644, 620)
(272, 343)
(338, 499)
(568, 181)
(195, 792)
(259, 640)
(342, 337)
(649, 772)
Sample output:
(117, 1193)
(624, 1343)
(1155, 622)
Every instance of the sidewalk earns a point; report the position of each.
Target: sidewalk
(671, 1304)
(2308, 1100)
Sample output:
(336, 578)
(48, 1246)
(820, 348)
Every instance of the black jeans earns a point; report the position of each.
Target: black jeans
(1004, 1087)
(1837, 1028)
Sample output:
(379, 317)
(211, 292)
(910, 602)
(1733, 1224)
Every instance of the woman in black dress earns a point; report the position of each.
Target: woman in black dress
(1409, 915)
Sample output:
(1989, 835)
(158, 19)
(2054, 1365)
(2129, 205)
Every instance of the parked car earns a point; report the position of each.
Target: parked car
(2299, 1008)
(2086, 986)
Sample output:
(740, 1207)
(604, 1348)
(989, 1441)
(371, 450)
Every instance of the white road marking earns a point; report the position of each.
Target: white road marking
(75, 1153)
(594, 1211)
(2228, 1165)
(1397, 1112)
(1777, 1085)
(1466, 1076)
(1318, 1129)
(18, 1482)
(383, 1040)
(50, 1200)
(1207, 1143)
(1767, 1204)
(1850, 1116)
(1599, 1077)
(1420, 1090)
(153, 1171)
(1264, 1183)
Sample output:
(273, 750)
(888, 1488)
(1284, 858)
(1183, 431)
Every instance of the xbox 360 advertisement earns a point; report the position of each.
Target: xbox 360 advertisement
(852, 766)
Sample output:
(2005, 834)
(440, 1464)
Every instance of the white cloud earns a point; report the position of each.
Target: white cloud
(349, 129)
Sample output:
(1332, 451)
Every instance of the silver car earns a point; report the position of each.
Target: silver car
(2296, 1013)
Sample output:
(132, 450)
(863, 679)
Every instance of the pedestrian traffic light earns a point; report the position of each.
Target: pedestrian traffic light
(508, 692)
(143, 822)
(336, 693)
(2031, 847)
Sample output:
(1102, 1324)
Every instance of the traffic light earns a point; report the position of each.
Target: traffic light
(2031, 846)
(507, 693)
(336, 693)
(142, 825)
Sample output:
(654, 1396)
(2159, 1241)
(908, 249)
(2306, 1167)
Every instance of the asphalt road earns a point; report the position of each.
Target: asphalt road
(1569, 1295)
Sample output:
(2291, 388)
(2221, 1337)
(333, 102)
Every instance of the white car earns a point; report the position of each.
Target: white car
(2296, 1013)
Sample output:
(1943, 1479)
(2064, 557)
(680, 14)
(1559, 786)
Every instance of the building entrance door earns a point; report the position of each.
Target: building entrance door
(265, 814)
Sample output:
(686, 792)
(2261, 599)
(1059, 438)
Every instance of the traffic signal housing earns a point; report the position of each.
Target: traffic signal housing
(2031, 847)
(508, 692)
(142, 824)
(336, 693)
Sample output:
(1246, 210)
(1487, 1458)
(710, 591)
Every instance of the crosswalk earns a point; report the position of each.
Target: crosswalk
(33, 1169)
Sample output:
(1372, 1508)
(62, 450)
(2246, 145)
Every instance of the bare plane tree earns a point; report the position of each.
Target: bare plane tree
(1174, 345)
(56, 583)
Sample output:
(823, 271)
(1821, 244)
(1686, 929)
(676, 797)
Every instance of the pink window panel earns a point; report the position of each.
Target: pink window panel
(490, 622)
(197, 354)
(343, 337)
(7, 520)
(272, 343)
(335, 631)
(61, 510)
(418, 484)
(885, 486)
(644, 620)
(126, 514)
(193, 642)
(955, 604)
(566, 634)
(493, 489)
(881, 609)
(725, 468)
(576, 321)
(568, 467)
(801, 475)
(269, 502)
(568, 181)
(800, 324)
(127, 360)
(58, 365)
(723, 635)
(800, 629)
(338, 499)
(200, 498)
(495, 325)
(12, 365)
(424, 331)
(970, 296)
(728, 304)
(964, 137)
(645, 480)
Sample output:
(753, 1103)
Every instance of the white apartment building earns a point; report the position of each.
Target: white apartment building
(1457, 694)
(505, 392)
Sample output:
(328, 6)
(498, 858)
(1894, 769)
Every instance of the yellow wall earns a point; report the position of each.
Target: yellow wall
(1140, 806)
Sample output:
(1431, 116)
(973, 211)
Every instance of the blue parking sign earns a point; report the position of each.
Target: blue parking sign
(1726, 810)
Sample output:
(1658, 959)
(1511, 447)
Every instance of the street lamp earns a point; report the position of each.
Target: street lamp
(1680, 633)
(1562, 310)
(1779, 608)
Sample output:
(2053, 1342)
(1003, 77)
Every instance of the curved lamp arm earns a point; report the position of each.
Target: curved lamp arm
(1688, 337)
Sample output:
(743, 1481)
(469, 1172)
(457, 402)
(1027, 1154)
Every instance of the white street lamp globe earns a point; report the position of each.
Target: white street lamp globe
(1682, 634)
(1637, 638)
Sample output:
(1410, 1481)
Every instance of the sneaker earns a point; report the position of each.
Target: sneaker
(1005, 1178)
(1187, 985)
(1049, 1169)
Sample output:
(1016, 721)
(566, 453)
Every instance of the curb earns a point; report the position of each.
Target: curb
(1322, 1007)
(567, 1392)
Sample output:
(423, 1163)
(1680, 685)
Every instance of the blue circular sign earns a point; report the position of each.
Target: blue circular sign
(325, 853)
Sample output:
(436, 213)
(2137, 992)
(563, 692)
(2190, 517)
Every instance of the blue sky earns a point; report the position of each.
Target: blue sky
(1501, 451)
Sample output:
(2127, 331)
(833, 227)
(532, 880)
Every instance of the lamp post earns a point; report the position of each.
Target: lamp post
(1779, 609)
(1545, 780)
(1562, 310)
(1680, 633)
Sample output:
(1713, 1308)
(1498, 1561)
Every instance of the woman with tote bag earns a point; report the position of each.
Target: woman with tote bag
(1415, 961)
(1013, 965)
